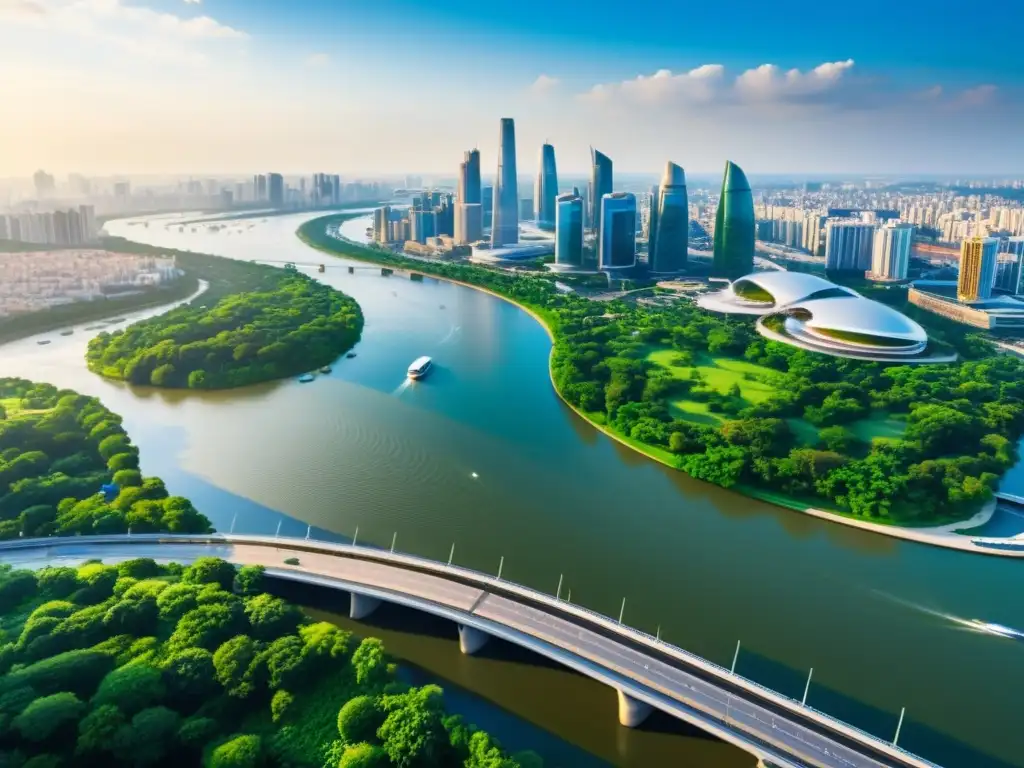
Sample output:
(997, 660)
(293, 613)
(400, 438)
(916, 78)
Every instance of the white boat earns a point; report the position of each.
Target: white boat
(420, 367)
(306, 378)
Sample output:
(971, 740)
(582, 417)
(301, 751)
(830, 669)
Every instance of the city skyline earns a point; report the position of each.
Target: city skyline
(154, 86)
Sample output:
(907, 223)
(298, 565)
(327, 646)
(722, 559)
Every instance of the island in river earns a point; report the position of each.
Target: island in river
(268, 324)
(909, 451)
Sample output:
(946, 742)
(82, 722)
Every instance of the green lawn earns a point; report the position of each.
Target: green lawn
(881, 425)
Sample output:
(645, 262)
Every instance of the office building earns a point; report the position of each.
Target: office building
(469, 223)
(978, 256)
(569, 230)
(545, 190)
(600, 185)
(382, 224)
(275, 189)
(669, 225)
(487, 201)
(848, 245)
(259, 187)
(734, 226)
(505, 221)
(890, 254)
(468, 190)
(617, 240)
(1008, 266)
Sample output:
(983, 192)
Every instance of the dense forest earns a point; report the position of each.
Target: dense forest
(139, 664)
(57, 450)
(286, 324)
(812, 435)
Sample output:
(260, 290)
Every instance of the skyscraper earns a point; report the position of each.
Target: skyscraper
(569, 230)
(977, 268)
(505, 223)
(545, 190)
(734, 226)
(670, 223)
(487, 201)
(275, 185)
(469, 182)
(617, 240)
(848, 245)
(890, 255)
(469, 223)
(600, 185)
(1009, 263)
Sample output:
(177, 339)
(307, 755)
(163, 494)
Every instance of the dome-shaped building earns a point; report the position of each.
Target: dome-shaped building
(812, 313)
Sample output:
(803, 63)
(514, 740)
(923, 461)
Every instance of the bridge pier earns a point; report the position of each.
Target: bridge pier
(632, 712)
(361, 606)
(471, 639)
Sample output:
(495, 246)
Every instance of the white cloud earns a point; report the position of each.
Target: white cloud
(22, 8)
(977, 96)
(769, 83)
(544, 84)
(193, 2)
(318, 60)
(697, 85)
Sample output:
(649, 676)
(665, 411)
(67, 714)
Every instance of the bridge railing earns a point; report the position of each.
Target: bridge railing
(484, 579)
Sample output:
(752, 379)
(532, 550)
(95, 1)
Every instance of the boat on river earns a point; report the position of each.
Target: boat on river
(420, 367)
(41, 342)
(67, 332)
(306, 378)
(325, 369)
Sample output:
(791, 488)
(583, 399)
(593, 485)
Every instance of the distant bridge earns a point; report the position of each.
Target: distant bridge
(646, 672)
(351, 268)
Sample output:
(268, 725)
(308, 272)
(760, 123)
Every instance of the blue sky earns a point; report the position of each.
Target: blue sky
(365, 86)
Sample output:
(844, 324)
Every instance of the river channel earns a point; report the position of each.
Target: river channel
(483, 454)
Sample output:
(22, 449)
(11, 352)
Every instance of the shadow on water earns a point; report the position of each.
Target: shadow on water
(914, 736)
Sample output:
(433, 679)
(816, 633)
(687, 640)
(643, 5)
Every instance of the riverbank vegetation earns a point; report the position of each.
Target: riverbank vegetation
(911, 445)
(283, 324)
(139, 664)
(58, 450)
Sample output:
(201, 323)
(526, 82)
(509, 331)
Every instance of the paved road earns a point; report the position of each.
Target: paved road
(779, 730)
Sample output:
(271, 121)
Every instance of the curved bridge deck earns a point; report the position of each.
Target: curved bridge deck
(645, 671)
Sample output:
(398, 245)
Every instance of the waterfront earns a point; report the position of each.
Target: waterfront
(876, 618)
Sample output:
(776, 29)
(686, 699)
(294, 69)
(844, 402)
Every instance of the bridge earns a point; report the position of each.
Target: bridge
(646, 672)
(350, 268)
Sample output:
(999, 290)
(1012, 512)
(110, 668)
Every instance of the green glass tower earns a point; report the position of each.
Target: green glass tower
(734, 226)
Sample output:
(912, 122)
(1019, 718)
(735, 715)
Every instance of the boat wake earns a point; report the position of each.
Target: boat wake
(973, 625)
(455, 329)
(406, 383)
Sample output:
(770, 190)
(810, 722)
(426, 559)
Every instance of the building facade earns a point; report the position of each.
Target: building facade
(734, 226)
(569, 230)
(545, 190)
(505, 223)
(617, 238)
(890, 255)
(848, 245)
(275, 187)
(600, 185)
(1008, 266)
(670, 223)
(978, 256)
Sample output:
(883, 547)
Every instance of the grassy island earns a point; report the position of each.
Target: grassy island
(57, 450)
(283, 323)
(906, 445)
(139, 664)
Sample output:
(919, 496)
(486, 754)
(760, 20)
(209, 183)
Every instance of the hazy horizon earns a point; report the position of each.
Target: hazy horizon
(148, 87)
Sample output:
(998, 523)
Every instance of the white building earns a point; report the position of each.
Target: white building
(848, 244)
(890, 255)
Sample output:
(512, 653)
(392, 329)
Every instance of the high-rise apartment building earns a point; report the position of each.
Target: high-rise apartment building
(569, 230)
(670, 223)
(848, 245)
(505, 223)
(275, 188)
(617, 236)
(600, 185)
(977, 268)
(545, 190)
(734, 226)
(890, 254)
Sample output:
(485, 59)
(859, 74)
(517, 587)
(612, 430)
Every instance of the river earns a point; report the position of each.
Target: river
(484, 454)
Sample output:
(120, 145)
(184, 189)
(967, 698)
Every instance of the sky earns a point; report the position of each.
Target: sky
(363, 87)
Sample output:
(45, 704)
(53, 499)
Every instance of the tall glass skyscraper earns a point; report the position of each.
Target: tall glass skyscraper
(617, 241)
(734, 226)
(468, 218)
(505, 221)
(569, 230)
(487, 201)
(545, 190)
(670, 223)
(469, 178)
(600, 185)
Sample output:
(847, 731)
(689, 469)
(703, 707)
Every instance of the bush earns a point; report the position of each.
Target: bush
(139, 568)
(97, 730)
(127, 478)
(271, 617)
(280, 704)
(15, 588)
(249, 580)
(131, 688)
(47, 715)
(197, 731)
(149, 738)
(364, 756)
(359, 719)
(210, 570)
(123, 461)
(190, 675)
(77, 671)
(240, 752)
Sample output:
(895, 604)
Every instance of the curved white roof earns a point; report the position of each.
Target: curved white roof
(855, 314)
(789, 287)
